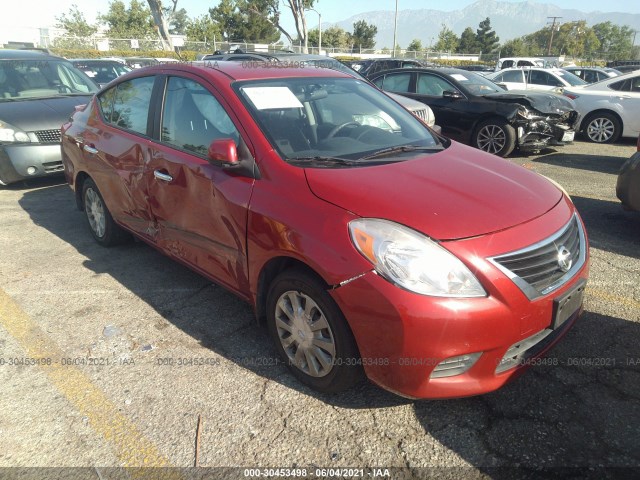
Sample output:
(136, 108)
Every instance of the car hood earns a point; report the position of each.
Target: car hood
(40, 113)
(457, 193)
(543, 102)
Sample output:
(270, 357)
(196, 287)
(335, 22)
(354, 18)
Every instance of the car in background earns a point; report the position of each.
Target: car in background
(593, 74)
(38, 93)
(479, 69)
(99, 70)
(628, 185)
(519, 62)
(534, 78)
(608, 109)
(473, 110)
(362, 239)
(370, 67)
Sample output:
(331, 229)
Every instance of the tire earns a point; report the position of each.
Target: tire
(335, 365)
(495, 136)
(106, 232)
(602, 127)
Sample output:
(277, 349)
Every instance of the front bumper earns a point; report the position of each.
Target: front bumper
(403, 336)
(23, 161)
(541, 132)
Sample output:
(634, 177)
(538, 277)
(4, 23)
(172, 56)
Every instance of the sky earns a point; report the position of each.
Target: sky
(42, 13)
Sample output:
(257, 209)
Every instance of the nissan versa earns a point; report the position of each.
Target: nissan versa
(365, 241)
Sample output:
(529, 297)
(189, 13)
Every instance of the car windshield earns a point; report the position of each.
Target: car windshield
(20, 79)
(476, 84)
(328, 118)
(570, 78)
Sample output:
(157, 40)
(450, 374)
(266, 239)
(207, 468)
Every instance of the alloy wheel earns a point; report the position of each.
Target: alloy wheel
(600, 130)
(491, 139)
(305, 334)
(95, 212)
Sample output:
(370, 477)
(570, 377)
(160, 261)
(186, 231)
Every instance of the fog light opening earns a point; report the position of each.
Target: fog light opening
(32, 170)
(455, 365)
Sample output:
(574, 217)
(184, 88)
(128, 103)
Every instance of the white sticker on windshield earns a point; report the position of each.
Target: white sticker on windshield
(264, 98)
(459, 77)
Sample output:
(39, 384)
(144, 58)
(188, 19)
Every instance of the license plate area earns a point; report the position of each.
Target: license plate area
(567, 304)
(568, 136)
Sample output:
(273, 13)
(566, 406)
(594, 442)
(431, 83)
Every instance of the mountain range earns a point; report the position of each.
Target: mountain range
(508, 20)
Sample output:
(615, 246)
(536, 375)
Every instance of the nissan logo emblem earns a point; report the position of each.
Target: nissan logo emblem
(564, 258)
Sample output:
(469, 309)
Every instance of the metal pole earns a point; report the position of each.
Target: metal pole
(395, 30)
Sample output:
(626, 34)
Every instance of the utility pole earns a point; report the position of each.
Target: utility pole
(553, 29)
(395, 30)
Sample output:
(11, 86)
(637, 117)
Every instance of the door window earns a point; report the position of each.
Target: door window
(193, 118)
(127, 104)
(544, 78)
(397, 83)
(511, 76)
(433, 85)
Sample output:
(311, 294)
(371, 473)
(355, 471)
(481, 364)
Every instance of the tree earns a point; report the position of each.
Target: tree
(487, 39)
(335, 37)
(297, 8)
(468, 42)
(75, 24)
(615, 41)
(246, 20)
(161, 21)
(415, 45)
(178, 22)
(134, 22)
(447, 40)
(202, 29)
(363, 35)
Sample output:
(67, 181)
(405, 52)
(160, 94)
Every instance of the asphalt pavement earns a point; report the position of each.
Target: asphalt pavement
(123, 358)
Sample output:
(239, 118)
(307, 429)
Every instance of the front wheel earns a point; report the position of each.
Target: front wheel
(495, 136)
(311, 334)
(106, 232)
(602, 127)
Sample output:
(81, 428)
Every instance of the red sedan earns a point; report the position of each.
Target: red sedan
(367, 242)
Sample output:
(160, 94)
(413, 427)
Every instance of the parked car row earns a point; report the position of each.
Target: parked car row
(365, 241)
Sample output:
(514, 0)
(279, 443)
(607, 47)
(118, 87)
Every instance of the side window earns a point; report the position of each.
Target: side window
(131, 104)
(397, 83)
(507, 64)
(433, 85)
(105, 100)
(514, 76)
(622, 86)
(192, 117)
(378, 82)
(635, 84)
(525, 63)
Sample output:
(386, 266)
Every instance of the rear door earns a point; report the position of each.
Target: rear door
(199, 208)
(115, 149)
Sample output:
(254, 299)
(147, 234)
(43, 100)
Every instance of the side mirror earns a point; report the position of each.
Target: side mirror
(451, 94)
(224, 150)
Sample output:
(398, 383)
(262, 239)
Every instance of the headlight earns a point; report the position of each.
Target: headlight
(9, 133)
(524, 113)
(412, 260)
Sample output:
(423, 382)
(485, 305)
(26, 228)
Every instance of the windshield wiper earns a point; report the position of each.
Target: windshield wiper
(320, 160)
(401, 149)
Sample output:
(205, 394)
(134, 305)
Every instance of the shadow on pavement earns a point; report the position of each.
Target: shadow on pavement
(594, 163)
(579, 408)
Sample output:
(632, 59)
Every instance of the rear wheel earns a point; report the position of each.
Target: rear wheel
(106, 232)
(602, 127)
(495, 136)
(311, 334)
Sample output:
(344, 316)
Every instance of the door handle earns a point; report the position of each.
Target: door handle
(90, 149)
(162, 176)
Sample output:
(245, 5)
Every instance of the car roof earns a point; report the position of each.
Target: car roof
(6, 54)
(238, 71)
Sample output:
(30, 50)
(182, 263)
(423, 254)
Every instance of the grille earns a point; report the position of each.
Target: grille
(421, 114)
(48, 136)
(537, 269)
(51, 167)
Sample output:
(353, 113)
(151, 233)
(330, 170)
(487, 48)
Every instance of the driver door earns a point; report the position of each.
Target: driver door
(199, 209)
